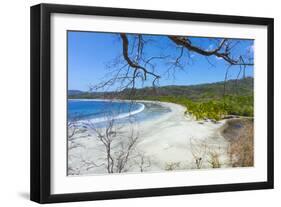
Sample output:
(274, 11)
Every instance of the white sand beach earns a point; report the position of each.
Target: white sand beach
(173, 141)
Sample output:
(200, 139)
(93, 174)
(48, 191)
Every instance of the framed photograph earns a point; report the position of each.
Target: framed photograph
(133, 103)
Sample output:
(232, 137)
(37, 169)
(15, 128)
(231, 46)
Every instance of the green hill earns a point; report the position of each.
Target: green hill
(204, 101)
(241, 87)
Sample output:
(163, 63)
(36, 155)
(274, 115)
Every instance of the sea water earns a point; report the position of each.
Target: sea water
(98, 111)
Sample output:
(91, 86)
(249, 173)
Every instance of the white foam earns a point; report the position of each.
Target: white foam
(119, 116)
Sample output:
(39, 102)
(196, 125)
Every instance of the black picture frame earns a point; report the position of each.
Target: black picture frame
(41, 97)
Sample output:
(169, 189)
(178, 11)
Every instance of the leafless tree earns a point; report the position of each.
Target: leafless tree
(198, 150)
(134, 66)
(118, 150)
(214, 158)
(170, 166)
(207, 154)
(142, 161)
(72, 131)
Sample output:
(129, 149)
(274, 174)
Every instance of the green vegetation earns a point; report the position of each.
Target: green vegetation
(204, 101)
(207, 101)
(201, 92)
(213, 109)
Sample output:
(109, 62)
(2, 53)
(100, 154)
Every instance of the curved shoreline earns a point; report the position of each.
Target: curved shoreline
(167, 139)
(119, 116)
(171, 106)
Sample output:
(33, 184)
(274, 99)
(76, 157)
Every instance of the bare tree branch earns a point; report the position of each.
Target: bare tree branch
(134, 64)
(185, 42)
(136, 68)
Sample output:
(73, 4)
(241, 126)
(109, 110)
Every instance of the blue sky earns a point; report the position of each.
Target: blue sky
(89, 54)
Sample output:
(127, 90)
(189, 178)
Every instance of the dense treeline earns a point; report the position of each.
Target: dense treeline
(240, 87)
(212, 109)
(204, 101)
(208, 91)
